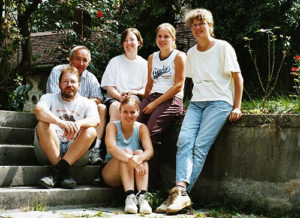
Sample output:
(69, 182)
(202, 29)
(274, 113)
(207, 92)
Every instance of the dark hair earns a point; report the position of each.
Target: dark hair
(69, 69)
(135, 32)
(130, 100)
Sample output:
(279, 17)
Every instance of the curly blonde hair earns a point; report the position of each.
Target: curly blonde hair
(201, 14)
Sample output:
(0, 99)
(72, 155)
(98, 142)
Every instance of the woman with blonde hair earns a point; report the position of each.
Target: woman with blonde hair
(218, 86)
(162, 101)
(128, 150)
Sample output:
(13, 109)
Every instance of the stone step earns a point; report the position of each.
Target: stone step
(17, 119)
(14, 135)
(29, 175)
(17, 155)
(30, 197)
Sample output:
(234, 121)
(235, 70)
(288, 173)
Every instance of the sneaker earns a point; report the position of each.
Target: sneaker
(94, 156)
(131, 204)
(144, 207)
(163, 207)
(67, 182)
(49, 181)
(179, 202)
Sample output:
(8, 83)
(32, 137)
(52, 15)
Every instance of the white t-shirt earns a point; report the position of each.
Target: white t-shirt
(78, 109)
(125, 74)
(163, 73)
(211, 72)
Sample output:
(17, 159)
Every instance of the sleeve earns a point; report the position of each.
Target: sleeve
(53, 79)
(45, 101)
(230, 61)
(109, 76)
(91, 109)
(95, 90)
(188, 69)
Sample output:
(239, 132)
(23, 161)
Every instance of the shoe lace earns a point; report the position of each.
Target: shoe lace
(172, 196)
(131, 199)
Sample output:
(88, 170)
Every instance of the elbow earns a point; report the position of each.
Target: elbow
(38, 110)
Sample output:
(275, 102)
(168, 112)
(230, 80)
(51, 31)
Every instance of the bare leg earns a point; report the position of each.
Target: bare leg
(127, 174)
(80, 146)
(142, 181)
(48, 141)
(111, 173)
(114, 111)
(102, 114)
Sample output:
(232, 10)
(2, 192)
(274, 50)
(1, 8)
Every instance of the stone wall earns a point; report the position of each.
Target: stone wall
(255, 161)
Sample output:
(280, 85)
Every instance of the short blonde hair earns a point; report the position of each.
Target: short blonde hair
(69, 69)
(171, 30)
(201, 14)
(130, 100)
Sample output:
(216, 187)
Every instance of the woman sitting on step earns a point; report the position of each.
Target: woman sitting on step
(129, 148)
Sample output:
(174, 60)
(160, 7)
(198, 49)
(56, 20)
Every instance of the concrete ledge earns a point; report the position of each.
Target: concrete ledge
(13, 135)
(17, 119)
(29, 175)
(24, 197)
(255, 161)
(17, 155)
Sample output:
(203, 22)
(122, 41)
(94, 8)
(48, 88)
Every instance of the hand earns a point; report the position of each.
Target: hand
(150, 108)
(140, 169)
(135, 161)
(235, 114)
(123, 96)
(71, 128)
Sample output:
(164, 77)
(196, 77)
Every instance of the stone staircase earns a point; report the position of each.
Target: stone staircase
(19, 171)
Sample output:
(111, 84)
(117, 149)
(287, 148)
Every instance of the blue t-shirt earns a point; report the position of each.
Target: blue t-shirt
(133, 142)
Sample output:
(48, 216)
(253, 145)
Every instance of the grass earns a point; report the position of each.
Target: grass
(278, 105)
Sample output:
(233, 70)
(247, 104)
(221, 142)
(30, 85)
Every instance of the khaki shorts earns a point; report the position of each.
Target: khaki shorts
(43, 159)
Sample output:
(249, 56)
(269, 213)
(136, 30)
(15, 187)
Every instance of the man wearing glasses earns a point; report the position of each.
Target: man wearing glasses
(80, 57)
(65, 129)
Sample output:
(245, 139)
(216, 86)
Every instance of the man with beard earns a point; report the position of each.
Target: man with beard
(65, 129)
(80, 57)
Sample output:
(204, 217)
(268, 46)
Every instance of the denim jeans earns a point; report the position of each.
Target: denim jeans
(201, 125)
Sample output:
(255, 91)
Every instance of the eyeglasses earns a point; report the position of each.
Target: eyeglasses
(195, 25)
(66, 82)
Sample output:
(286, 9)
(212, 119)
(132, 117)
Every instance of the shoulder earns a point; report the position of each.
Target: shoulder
(58, 68)
(180, 55)
(117, 58)
(142, 127)
(112, 126)
(223, 43)
(141, 59)
(150, 58)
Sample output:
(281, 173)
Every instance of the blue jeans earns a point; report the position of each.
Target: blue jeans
(201, 125)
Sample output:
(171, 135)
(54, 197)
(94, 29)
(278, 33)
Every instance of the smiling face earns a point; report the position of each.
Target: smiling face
(131, 43)
(69, 85)
(200, 29)
(164, 39)
(80, 60)
(129, 113)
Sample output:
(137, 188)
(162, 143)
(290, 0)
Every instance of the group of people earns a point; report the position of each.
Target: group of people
(143, 100)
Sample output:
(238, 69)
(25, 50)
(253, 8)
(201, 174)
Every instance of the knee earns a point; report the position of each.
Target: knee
(114, 107)
(43, 127)
(89, 132)
(101, 108)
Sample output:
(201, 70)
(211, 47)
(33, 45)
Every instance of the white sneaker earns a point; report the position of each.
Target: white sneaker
(179, 201)
(131, 204)
(144, 205)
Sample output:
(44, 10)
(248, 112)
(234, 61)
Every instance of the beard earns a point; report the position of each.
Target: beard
(68, 95)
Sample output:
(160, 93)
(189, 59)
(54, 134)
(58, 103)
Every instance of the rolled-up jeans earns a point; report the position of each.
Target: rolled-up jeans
(202, 123)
